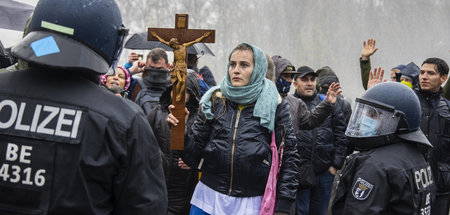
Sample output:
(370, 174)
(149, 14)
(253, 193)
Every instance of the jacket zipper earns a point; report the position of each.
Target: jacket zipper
(232, 150)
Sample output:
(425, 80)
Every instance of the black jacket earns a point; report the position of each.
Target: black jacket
(303, 118)
(236, 151)
(435, 125)
(346, 108)
(331, 142)
(180, 183)
(85, 150)
(394, 179)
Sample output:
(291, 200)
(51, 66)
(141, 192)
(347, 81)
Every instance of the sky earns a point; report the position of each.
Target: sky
(30, 2)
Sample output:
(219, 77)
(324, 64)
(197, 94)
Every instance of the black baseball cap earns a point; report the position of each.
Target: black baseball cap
(303, 71)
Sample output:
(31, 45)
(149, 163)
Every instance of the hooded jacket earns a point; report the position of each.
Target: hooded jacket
(280, 65)
(180, 183)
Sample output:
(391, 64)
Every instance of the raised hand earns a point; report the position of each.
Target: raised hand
(138, 67)
(333, 91)
(368, 49)
(132, 57)
(375, 77)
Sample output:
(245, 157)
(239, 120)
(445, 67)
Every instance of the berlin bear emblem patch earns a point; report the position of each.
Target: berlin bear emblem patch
(361, 189)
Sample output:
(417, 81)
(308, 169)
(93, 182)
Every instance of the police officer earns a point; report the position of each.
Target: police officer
(390, 175)
(68, 146)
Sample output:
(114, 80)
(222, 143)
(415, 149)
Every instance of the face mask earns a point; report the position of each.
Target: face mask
(156, 76)
(283, 86)
(368, 126)
(407, 84)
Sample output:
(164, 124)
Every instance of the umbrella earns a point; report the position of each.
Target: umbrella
(139, 41)
(5, 58)
(3, 51)
(14, 15)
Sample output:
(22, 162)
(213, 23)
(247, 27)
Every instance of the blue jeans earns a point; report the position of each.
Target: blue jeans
(315, 200)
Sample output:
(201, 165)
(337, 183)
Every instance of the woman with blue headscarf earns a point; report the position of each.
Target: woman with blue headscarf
(230, 140)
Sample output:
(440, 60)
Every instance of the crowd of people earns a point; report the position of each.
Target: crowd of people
(83, 135)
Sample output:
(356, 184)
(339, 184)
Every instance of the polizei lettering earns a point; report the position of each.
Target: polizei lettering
(39, 119)
(423, 178)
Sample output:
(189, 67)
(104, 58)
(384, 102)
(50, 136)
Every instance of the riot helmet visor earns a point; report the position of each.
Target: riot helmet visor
(371, 118)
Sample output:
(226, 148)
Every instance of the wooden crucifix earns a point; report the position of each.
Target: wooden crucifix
(179, 39)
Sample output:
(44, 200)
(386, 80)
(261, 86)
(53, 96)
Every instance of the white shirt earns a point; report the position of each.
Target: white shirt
(215, 203)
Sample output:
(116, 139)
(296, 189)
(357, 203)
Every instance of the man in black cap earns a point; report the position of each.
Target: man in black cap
(325, 146)
(300, 115)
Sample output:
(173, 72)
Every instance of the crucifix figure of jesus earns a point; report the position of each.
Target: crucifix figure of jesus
(179, 39)
(179, 71)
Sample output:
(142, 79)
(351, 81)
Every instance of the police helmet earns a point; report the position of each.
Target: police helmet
(82, 34)
(386, 109)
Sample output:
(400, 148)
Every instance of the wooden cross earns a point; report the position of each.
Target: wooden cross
(180, 38)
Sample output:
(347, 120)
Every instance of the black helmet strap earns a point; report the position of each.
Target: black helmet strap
(366, 143)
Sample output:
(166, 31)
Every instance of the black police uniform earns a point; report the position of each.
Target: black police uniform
(393, 179)
(68, 146)
(390, 175)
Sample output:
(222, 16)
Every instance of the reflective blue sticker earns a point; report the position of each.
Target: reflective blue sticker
(45, 46)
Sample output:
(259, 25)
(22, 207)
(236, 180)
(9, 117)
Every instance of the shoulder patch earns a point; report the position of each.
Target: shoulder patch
(361, 189)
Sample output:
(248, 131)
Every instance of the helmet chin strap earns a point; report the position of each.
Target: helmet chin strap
(367, 143)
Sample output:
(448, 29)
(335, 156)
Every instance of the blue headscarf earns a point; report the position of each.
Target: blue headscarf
(259, 89)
